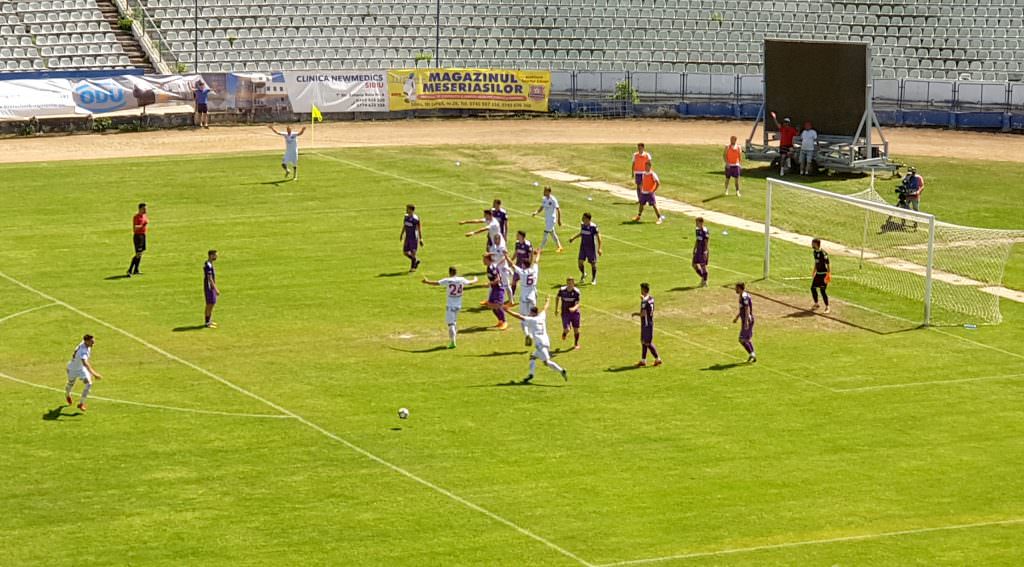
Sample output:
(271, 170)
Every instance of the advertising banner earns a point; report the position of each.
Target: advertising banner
(27, 98)
(487, 89)
(337, 91)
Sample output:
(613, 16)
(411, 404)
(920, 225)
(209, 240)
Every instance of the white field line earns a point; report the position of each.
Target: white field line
(286, 412)
(799, 239)
(27, 311)
(153, 406)
(844, 539)
(929, 383)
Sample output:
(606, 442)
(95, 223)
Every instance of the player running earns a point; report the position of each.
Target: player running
(569, 296)
(822, 274)
(412, 236)
(537, 328)
(590, 247)
(701, 252)
(523, 256)
(496, 297)
(140, 225)
(455, 285)
(746, 316)
(646, 315)
(649, 184)
(552, 218)
(529, 275)
(291, 150)
(80, 368)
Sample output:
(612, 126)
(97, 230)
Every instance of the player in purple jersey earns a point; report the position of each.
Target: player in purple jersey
(590, 247)
(501, 215)
(701, 252)
(569, 297)
(496, 297)
(210, 289)
(746, 316)
(412, 236)
(646, 315)
(523, 256)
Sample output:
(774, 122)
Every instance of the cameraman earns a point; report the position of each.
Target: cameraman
(909, 193)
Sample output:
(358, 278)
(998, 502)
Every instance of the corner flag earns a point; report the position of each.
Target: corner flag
(317, 116)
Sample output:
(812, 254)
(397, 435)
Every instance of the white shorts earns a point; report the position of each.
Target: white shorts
(290, 159)
(506, 276)
(541, 351)
(526, 303)
(451, 315)
(83, 375)
(549, 226)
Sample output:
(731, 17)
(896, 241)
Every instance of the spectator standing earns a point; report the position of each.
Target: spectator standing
(731, 156)
(808, 145)
(202, 94)
(786, 135)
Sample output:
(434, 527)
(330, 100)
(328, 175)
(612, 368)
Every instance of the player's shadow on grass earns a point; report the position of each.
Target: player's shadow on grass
(685, 288)
(57, 413)
(278, 182)
(477, 329)
(626, 368)
(719, 367)
(518, 383)
(393, 274)
(117, 277)
(715, 197)
(421, 351)
(501, 353)
(184, 328)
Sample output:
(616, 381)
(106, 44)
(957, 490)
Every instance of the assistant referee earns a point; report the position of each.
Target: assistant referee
(140, 224)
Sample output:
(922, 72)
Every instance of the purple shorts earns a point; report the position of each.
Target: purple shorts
(701, 258)
(646, 333)
(638, 178)
(211, 298)
(747, 332)
(588, 255)
(497, 295)
(570, 319)
(410, 246)
(733, 171)
(646, 198)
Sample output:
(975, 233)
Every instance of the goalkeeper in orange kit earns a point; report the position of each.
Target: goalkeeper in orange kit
(822, 274)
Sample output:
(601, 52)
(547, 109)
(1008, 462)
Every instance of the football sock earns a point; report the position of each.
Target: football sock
(451, 333)
(533, 365)
(544, 241)
(748, 346)
(500, 314)
(85, 392)
(67, 389)
(654, 352)
(814, 293)
(593, 272)
(824, 296)
(644, 355)
(138, 261)
(553, 365)
(576, 338)
(207, 320)
(554, 235)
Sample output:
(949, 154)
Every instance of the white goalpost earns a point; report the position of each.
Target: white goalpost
(952, 271)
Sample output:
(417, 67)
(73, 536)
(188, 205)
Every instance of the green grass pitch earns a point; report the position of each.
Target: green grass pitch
(274, 440)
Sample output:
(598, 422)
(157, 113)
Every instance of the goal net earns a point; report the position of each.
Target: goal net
(954, 273)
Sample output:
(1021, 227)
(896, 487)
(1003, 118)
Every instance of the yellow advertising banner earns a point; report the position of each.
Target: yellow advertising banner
(488, 89)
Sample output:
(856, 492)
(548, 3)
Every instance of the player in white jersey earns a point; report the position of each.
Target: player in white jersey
(80, 368)
(455, 284)
(552, 218)
(528, 278)
(537, 328)
(499, 255)
(492, 227)
(291, 150)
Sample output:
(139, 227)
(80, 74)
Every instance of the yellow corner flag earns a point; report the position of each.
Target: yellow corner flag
(317, 116)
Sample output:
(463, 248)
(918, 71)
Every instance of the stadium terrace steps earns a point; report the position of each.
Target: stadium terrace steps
(129, 45)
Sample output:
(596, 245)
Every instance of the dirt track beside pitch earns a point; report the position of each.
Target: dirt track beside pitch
(474, 132)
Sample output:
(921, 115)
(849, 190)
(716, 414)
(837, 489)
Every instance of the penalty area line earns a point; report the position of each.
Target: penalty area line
(153, 406)
(843, 539)
(288, 413)
(26, 312)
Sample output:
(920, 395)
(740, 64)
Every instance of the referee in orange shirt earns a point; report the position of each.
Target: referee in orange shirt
(140, 224)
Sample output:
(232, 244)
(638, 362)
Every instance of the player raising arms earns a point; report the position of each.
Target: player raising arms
(496, 297)
(80, 368)
(822, 274)
(455, 285)
(590, 247)
(291, 150)
(412, 236)
(569, 295)
(746, 318)
(646, 315)
(649, 185)
(552, 218)
(701, 252)
(537, 328)
(528, 292)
